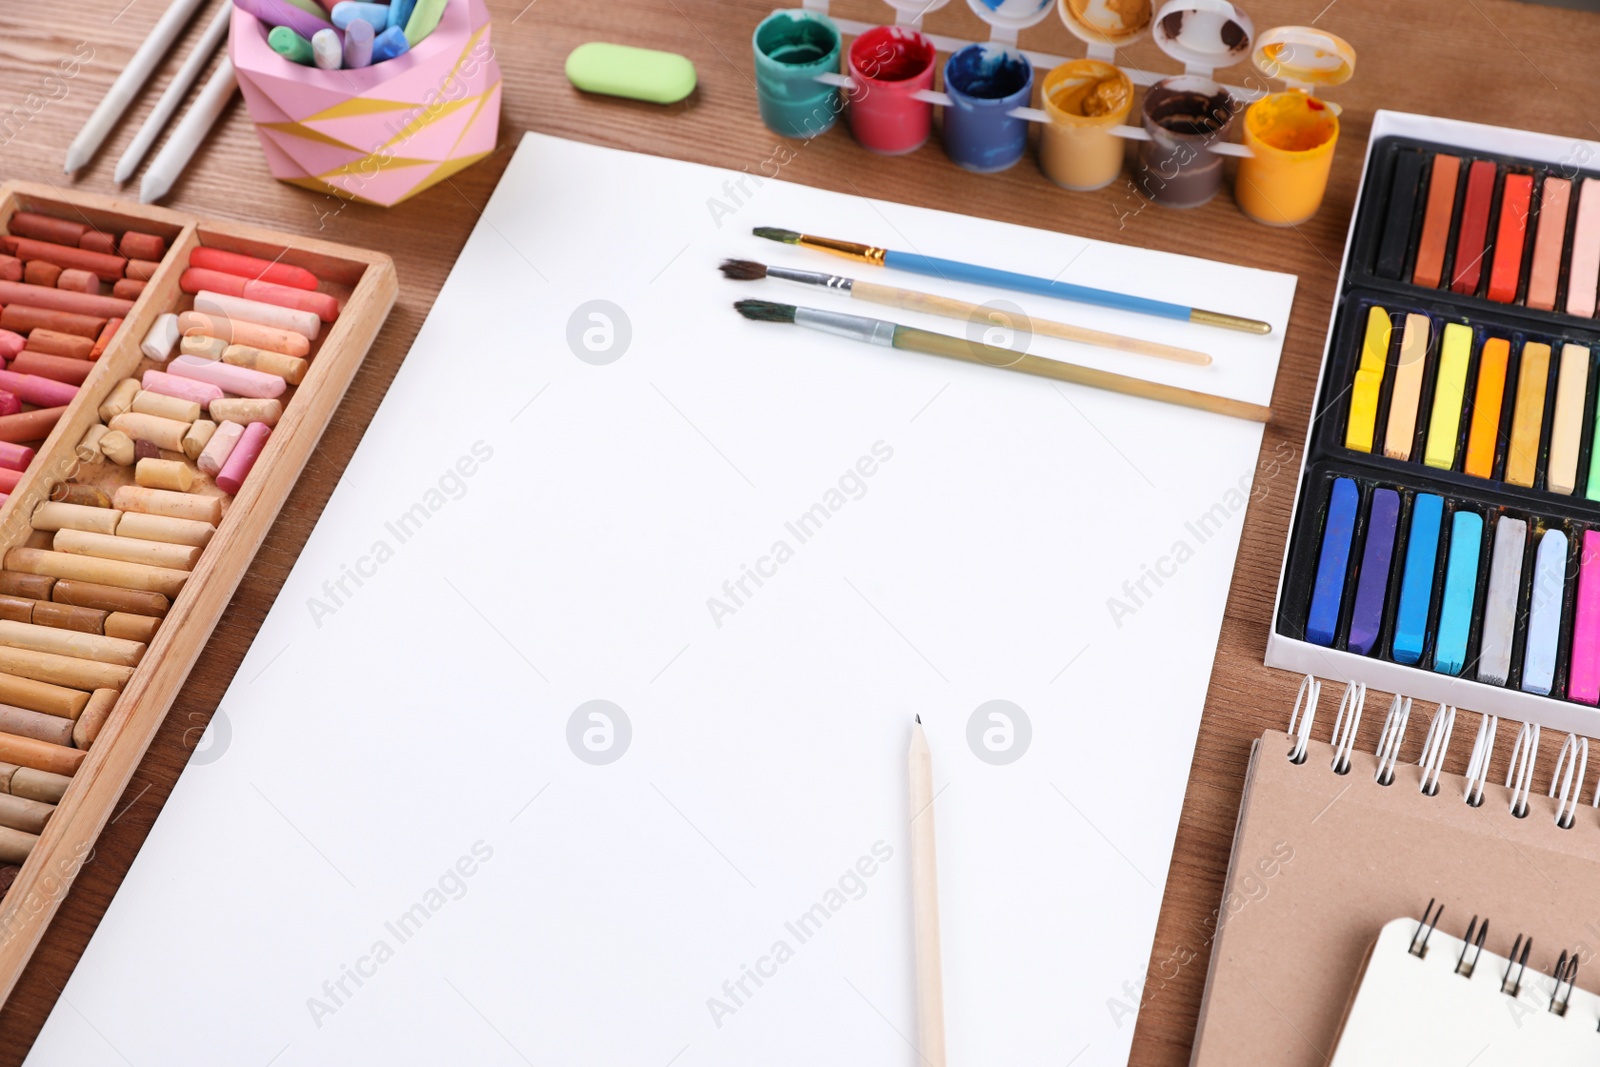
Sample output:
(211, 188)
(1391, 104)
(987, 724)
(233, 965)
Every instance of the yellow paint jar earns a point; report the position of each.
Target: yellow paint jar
(1085, 99)
(1292, 135)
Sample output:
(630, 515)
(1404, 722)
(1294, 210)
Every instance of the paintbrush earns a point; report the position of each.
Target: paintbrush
(745, 270)
(955, 271)
(911, 339)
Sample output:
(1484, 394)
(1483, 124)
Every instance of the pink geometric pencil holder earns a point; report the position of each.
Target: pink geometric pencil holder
(382, 133)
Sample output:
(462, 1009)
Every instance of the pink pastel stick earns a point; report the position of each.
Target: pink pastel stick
(15, 457)
(11, 343)
(215, 455)
(159, 381)
(1584, 681)
(9, 404)
(243, 457)
(240, 381)
(37, 390)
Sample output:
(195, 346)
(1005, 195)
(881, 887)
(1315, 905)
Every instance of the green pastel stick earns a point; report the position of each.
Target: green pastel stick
(311, 7)
(290, 45)
(424, 17)
(1592, 489)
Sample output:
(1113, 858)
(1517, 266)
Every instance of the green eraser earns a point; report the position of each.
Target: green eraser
(637, 73)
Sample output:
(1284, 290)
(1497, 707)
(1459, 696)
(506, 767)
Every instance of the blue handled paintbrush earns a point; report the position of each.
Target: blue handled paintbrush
(955, 271)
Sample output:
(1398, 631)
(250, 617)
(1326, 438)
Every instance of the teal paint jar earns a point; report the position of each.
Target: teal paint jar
(791, 49)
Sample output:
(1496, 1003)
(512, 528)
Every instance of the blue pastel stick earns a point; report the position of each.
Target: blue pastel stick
(1544, 617)
(347, 11)
(400, 13)
(1416, 585)
(1328, 592)
(1373, 585)
(388, 44)
(1460, 590)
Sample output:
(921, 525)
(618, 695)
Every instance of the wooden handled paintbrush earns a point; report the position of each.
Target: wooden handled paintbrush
(911, 339)
(745, 270)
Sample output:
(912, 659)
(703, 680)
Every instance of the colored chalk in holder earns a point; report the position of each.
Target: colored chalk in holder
(1366, 620)
(1416, 583)
(1328, 592)
(1544, 615)
(1460, 592)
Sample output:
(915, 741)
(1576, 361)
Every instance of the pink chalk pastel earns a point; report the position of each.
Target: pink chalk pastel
(243, 457)
(215, 455)
(15, 457)
(9, 404)
(36, 390)
(159, 381)
(240, 381)
(1584, 681)
(11, 343)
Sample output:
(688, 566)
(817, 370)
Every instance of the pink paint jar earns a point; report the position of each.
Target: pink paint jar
(888, 65)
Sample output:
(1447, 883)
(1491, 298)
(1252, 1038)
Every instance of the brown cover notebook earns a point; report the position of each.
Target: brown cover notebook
(1321, 861)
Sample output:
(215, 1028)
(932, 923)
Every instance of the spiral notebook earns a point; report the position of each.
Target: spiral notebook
(1322, 860)
(1426, 997)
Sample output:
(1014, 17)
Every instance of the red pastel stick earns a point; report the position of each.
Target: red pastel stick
(1474, 228)
(36, 390)
(105, 338)
(46, 227)
(1509, 238)
(321, 305)
(15, 457)
(11, 343)
(57, 368)
(9, 479)
(42, 296)
(109, 268)
(10, 405)
(253, 267)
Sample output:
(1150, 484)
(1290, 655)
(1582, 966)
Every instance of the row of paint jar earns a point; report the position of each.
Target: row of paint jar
(1290, 135)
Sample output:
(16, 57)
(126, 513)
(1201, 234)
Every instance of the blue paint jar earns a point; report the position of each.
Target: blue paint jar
(791, 49)
(985, 82)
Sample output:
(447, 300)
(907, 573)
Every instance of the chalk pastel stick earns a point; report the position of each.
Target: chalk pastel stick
(1583, 681)
(1510, 238)
(1460, 590)
(1500, 602)
(1555, 197)
(1373, 584)
(1368, 382)
(1416, 584)
(1527, 419)
(1544, 613)
(1486, 406)
(1403, 400)
(1402, 207)
(1583, 271)
(1328, 592)
(1449, 392)
(1566, 424)
(1436, 221)
(1470, 249)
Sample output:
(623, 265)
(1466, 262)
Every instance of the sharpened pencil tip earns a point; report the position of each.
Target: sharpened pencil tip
(919, 719)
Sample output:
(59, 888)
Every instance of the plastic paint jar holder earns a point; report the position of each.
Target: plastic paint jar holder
(1086, 100)
(792, 48)
(1106, 25)
(1292, 135)
(1187, 116)
(985, 82)
(889, 65)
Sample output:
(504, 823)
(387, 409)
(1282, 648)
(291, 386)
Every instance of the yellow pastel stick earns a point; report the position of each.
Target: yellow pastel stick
(1368, 382)
(1527, 419)
(1566, 425)
(1402, 428)
(1449, 390)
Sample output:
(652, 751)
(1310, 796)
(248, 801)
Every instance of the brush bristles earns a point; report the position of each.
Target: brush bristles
(743, 270)
(772, 233)
(765, 310)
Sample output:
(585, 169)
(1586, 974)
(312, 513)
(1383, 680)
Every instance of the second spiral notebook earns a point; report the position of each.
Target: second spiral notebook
(1323, 860)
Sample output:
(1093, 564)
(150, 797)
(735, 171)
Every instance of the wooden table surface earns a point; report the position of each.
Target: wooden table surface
(1496, 61)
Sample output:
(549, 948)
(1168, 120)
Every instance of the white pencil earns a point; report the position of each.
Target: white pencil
(128, 83)
(197, 122)
(156, 121)
(925, 903)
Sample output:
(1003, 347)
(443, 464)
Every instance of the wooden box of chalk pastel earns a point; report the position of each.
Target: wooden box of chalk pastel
(1446, 536)
(165, 380)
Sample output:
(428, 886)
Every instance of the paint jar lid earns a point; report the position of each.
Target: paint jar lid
(1011, 14)
(1303, 57)
(1203, 34)
(1109, 23)
(911, 11)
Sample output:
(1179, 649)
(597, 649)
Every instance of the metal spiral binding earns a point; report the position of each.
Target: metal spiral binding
(1473, 942)
(1566, 971)
(1425, 928)
(1513, 963)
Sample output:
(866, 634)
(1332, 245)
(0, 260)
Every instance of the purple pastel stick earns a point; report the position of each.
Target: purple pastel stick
(283, 13)
(1367, 619)
(358, 44)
